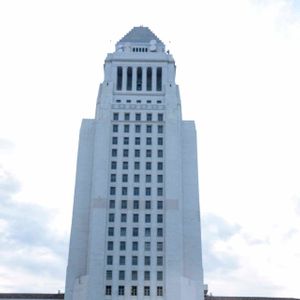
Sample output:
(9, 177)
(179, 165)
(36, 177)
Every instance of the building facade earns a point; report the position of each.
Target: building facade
(136, 222)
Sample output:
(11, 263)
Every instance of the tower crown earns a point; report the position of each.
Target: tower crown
(140, 39)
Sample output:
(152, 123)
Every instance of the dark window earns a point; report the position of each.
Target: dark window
(111, 217)
(119, 78)
(147, 260)
(113, 177)
(134, 260)
(147, 231)
(112, 190)
(148, 178)
(125, 152)
(126, 116)
(149, 79)
(149, 117)
(114, 140)
(121, 275)
(126, 140)
(148, 141)
(110, 245)
(159, 153)
(149, 128)
(126, 128)
(109, 260)
(160, 290)
(159, 141)
(160, 117)
(159, 178)
(148, 191)
(148, 153)
(124, 204)
(160, 205)
(108, 290)
(125, 165)
(136, 178)
(137, 153)
(129, 79)
(123, 231)
(112, 203)
(114, 152)
(135, 218)
(148, 165)
(115, 127)
(159, 246)
(121, 290)
(122, 246)
(133, 291)
(139, 79)
(159, 232)
(159, 166)
(134, 275)
(111, 231)
(136, 204)
(135, 246)
(123, 218)
(147, 275)
(136, 191)
(124, 190)
(138, 117)
(148, 204)
(116, 116)
(159, 261)
(147, 218)
(160, 129)
(147, 246)
(125, 178)
(158, 79)
(122, 260)
(159, 218)
(146, 290)
(136, 165)
(137, 128)
(137, 141)
(135, 231)
(113, 165)
(159, 191)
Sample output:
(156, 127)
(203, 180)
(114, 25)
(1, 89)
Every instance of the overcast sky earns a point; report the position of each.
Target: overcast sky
(238, 68)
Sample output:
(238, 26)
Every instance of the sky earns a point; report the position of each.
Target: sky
(238, 68)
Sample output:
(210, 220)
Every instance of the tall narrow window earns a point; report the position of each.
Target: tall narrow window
(129, 79)
(139, 79)
(158, 79)
(119, 78)
(149, 79)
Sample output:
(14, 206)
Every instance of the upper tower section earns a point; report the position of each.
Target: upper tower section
(140, 39)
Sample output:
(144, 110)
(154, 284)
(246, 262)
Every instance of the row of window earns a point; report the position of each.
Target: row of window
(138, 117)
(134, 275)
(139, 101)
(148, 178)
(135, 205)
(135, 191)
(137, 165)
(137, 140)
(133, 290)
(137, 152)
(135, 219)
(137, 128)
(128, 74)
(135, 260)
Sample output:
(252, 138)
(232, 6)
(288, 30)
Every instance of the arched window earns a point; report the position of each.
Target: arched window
(159, 79)
(139, 79)
(119, 78)
(149, 79)
(129, 78)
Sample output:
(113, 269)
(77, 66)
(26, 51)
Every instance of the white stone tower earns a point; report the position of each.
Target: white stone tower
(136, 221)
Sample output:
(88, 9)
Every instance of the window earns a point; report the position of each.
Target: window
(137, 153)
(136, 165)
(148, 141)
(160, 141)
(149, 128)
(113, 177)
(158, 79)
(124, 191)
(159, 246)
(121, 290)
(159, 291)
(125, 152)
(111, 217)
(159, 261)
(125, 165)
(116, 116)
(133, 291)
(147, 260)
(134, 275)
(129, 79)
(159, 218)
(112, 203)
(127, 116)
(160, 117)
(148, 165)
(111, 231)
(149, 117)
(108, 290)
(148, 153)
(159, 178)
(119, 78)
(121, 275)
(135, 231)
(159, 191)
(113, 165)
(136, 178)
(123, 218)
(126, 140)
(137, 141)
(146, 290)
(135, 246)
(137, 128)
(114, 140)
(108, 275)
(138, 117)
(136, 204)
(134, 260)
(136, 191)
(149, 79)
(135, 218)
(122, 260)
(147, 246)
(148, 204)
(110, 245)
(148, 191)
(112, 190)
(115, 127)
(159, 232)
(148, 178)
(123, 231)
(114, 152)
(159, 166)
(139, 79)
(124, 204)
(160, 205)
(159, 153)
(159, 276)
(147, 231)
(124, 177)
(147, 218)
(160, 129)
(146, 275)
(122, 245)
(109, 260)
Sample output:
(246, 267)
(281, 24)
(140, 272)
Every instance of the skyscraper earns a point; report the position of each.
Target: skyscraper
(136, 222)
